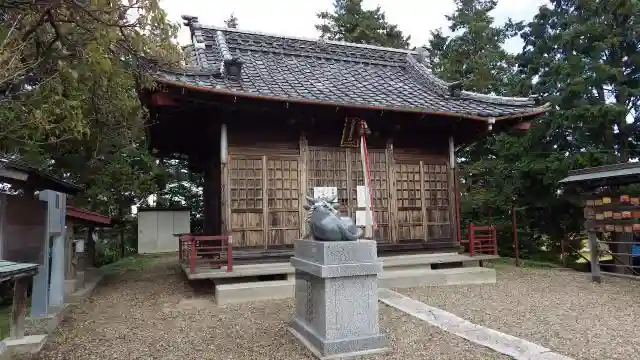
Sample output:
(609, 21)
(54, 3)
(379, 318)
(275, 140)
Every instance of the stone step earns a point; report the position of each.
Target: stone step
(253, 291)
(405, 278)
(283, 289)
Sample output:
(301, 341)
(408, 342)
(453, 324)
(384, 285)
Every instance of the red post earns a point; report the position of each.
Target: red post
(192, 259)
(515, 233)
(471, 240)
(229, 253)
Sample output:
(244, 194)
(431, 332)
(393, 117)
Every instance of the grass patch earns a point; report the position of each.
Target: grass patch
(5, 321)
(133, 263)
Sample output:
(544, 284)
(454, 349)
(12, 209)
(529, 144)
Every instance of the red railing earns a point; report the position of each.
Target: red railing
(198, 251)
(481, 240)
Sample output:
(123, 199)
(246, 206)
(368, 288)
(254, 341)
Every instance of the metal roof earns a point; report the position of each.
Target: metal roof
(616, 174)
(41, 180)
(10, 269)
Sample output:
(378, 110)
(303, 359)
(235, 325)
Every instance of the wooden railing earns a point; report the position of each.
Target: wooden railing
(481, 240)
(202, 251)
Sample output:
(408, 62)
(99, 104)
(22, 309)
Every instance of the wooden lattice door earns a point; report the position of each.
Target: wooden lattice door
(329, 167)
(422, 198)
(437, 202)
(283, 200)
(246, 192)
(410, 217)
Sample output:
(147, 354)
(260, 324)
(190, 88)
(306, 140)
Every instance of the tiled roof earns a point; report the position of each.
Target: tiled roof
(295, 69)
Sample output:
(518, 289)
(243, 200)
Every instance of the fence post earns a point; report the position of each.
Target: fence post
(180, 249)
(471, 240)
(230, 254)
(192, 260)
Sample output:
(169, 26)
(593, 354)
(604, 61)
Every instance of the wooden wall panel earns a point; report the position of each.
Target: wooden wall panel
(246, 200)
(283, 200)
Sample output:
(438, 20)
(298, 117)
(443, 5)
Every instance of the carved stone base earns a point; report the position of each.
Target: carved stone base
(336, 298)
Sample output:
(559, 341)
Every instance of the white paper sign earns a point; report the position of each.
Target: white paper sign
(325, 192)
(361, 195)
(361, 217)
(79, 246)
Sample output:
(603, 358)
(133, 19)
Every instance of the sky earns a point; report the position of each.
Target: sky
(298, 17)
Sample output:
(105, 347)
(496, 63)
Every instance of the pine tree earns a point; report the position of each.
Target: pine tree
(351, 23)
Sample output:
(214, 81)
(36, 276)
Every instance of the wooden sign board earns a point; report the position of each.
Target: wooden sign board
(350, 134)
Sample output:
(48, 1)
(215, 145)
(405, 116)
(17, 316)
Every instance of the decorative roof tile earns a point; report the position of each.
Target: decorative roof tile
(295, 69)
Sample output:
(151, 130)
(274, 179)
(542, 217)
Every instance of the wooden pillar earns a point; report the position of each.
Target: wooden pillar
(595, 257)
(265, 203)
(19, 307)
(304, 159)
(225, 206)
(391, 184)
(453, 199)
(91, 247)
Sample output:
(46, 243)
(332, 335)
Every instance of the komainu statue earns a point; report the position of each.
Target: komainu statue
(325, 222)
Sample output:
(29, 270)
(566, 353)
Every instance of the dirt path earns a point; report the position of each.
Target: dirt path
(155, 314)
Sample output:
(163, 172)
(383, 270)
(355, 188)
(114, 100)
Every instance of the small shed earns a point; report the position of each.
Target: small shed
(158, 227)
(80, 254)
(612, 216)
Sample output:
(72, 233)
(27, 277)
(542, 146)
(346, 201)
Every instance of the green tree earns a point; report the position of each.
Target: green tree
(497, 169)
(475, 54)
(52, 52)
(351, 23)
(69, 74)
(586, 57)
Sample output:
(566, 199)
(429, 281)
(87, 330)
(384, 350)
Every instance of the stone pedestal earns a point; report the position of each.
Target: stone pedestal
(336, 294)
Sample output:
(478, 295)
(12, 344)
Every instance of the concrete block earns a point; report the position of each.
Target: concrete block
(29, 344)
(336, 252)
(397, 262)
(336, 298)
(80, 279)
(333, 271)
(5, 353)
(427, 277)
(70, 286)
(411, 278)
(253, 291)
(471, 263)
(37, 325)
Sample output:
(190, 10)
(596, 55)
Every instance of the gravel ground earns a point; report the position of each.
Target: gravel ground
(559, 309)
(157, 315)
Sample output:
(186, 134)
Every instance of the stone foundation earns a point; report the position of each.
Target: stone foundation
(336, 290)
